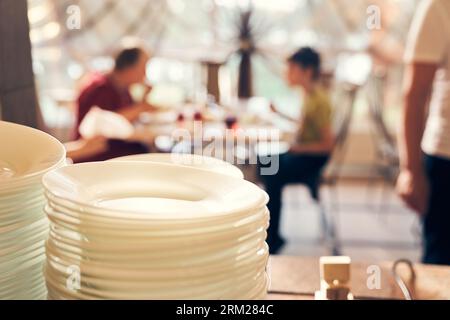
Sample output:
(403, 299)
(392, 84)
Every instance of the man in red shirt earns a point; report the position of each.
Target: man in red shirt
(111, 92)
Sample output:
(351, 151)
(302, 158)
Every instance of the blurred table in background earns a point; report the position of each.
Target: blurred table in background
(297, 278)
(234, 142)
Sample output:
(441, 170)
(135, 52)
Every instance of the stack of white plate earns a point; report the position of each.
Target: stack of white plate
(25, 155)
(138, 230)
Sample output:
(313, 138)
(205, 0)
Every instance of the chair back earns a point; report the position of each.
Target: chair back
(385, 143)
(344, 97)
(344, 103)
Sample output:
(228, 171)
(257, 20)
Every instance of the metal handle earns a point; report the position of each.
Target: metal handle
(398, 279)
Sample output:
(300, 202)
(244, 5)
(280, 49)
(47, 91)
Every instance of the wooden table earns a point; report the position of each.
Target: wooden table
(297, 278)
(212, 138)
(210, 131)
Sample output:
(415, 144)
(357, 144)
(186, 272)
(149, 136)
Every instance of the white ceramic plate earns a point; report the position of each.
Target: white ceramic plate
(154, 276)
(235, 288)
(146, 222)
(165, 283)
(152, 190)
(173, 258)
(230, 286)
(191, 160)
(82, 221)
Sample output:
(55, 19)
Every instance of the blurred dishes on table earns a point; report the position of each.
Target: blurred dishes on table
(23, 224)
(142, 230)
(166, 96)
(186, 159)
(188, 113)
(231, 122)
(161, 117)
(108, 124)
(214, 114)
(271, 148)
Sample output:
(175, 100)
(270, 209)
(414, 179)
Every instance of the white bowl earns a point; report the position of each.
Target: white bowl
(26, 154)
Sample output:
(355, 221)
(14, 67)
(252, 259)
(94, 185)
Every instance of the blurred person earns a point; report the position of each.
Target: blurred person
(424, 180)
(310, 151)
(110, 92)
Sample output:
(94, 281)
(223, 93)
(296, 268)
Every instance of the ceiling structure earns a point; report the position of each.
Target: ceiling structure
(175, 25)
(198, 30)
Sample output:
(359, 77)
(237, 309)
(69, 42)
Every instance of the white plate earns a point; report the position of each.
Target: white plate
(17, 243)
(151, 230)
(155, 277)
(235, 288)
(158, 283)
(16, 210)
(219, 288)
(145, 245)
(26, 153)
(146, 222)
(37, 255)
(164, 238)
(154, 258)
(191, 160)
(31, 191)
(82, 221)
(20, 231)
(152, 190)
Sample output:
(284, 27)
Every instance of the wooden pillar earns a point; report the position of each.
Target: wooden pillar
(245, 80)
(212, 79)
(18, 102)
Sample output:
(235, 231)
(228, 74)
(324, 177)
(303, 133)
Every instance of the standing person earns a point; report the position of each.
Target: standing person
(110, 92)
(313, 143)
(424, 181)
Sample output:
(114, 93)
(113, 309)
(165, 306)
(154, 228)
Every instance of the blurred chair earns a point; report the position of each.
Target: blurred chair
(387, 159)
(344, 105)
(344, 102)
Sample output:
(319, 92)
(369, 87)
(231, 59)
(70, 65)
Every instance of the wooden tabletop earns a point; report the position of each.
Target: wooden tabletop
(297, 278)
(209, 131)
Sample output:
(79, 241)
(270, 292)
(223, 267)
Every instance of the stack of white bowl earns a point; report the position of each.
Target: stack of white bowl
(25, 155)
(142, 230)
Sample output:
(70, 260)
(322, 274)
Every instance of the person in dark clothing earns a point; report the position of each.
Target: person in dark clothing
(310, 150)
(424, 144)
(111, 92)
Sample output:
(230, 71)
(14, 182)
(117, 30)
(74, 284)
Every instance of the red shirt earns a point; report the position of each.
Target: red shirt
(100, 91)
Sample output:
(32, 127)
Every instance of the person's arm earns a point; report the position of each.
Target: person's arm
(417, 88)
(282, 115)
(412, 183)
(385, 49)
(132, 112)
(325, 145)
(425, 50)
